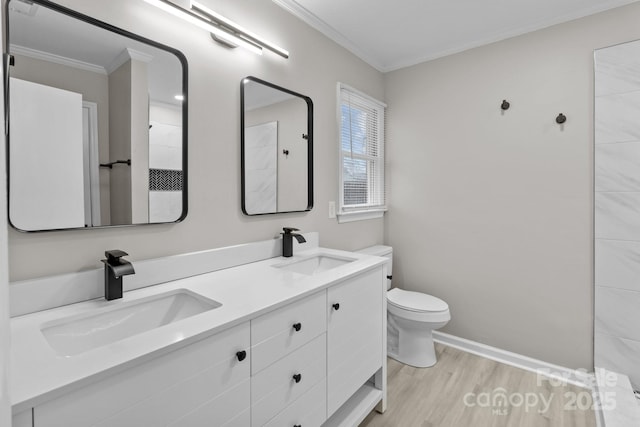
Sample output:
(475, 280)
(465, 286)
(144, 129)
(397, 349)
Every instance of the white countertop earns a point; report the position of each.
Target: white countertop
(38, 374)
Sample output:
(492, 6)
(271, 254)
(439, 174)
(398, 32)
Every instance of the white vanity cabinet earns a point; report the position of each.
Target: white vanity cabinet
(312, 355)
(202, 384)
(355, 336)
(335, 341)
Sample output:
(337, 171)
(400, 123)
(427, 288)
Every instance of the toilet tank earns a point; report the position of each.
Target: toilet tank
(381, 251)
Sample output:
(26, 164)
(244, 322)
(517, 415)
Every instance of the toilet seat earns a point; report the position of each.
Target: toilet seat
(415, 301)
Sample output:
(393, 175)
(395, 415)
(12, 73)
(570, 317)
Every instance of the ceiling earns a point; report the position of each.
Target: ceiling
(393, 34)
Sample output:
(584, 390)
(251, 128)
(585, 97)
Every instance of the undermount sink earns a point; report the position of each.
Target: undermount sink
(77, 334)
(315, 264)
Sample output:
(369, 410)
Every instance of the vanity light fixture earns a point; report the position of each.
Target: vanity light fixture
(197, 20)
(237, 29)
(222, 29)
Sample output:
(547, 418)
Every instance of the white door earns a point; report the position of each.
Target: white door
(47, 168)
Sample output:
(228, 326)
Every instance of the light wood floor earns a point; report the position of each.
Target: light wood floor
(464, 390)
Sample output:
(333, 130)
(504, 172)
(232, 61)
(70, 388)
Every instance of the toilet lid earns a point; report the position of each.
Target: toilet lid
(415, 301)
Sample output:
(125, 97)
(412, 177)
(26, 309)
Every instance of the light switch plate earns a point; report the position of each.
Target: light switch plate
(332, 210)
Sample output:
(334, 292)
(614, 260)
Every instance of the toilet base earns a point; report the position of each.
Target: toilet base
(420, 353)
(411, 342)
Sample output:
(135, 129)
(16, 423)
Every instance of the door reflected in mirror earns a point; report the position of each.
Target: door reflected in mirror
(277, 149)
(97, 123)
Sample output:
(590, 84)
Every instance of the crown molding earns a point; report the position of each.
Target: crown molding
(128, 54)
(293, 7)
(57, 59)
(312, 20)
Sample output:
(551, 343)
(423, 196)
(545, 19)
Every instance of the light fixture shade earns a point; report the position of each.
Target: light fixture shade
(198, 21)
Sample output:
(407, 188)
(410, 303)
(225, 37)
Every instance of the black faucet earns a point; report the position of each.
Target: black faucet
(287, 241)
(114, 268)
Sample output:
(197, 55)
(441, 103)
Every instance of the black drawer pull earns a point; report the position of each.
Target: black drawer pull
(297, 378)
(297, 326)
(336, 306)
(297, 425)
(241, 355)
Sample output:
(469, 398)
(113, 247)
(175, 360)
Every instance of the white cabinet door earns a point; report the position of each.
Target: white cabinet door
(226, 410)
(354, 335)
(203, 379)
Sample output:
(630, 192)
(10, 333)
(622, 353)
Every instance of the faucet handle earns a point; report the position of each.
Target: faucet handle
(114, 255)
(288, 230)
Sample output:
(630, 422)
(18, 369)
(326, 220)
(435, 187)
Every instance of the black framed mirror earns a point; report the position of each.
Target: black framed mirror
(96, 122)
(276, 149)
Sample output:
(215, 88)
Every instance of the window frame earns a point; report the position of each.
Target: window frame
(375, 184)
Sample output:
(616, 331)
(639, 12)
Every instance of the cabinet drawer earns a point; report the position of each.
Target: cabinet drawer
(273, 335)
(156, 389)
(310, 410)
(275, 387)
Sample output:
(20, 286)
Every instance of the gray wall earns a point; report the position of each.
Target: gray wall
(215, 219)
(129, 130)
(120, 131)
(139, 142)
(492, 211)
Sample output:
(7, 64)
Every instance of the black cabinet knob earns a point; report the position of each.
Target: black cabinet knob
(241, 355)
(336, 306)
(297, 378)
(297, 425)
(297, 326)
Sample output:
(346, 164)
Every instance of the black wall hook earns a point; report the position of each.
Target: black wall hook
(561, 119)
(505, 105)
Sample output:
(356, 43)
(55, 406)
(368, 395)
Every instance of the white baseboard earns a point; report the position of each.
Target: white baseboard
(571, 376)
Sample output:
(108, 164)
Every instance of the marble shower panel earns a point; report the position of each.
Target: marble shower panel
(617, 264)
(261, 168)
(617, 210)
(616, 166)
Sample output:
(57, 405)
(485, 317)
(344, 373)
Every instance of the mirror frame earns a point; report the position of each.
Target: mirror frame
(101, 24)
(309, 145)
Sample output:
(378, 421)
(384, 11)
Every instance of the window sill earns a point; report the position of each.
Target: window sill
(359, 216)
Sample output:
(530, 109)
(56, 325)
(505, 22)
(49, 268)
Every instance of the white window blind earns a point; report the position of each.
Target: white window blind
(362, 188)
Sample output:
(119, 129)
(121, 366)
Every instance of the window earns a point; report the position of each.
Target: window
(362, 190)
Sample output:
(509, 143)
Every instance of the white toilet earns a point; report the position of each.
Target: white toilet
(411, 319)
